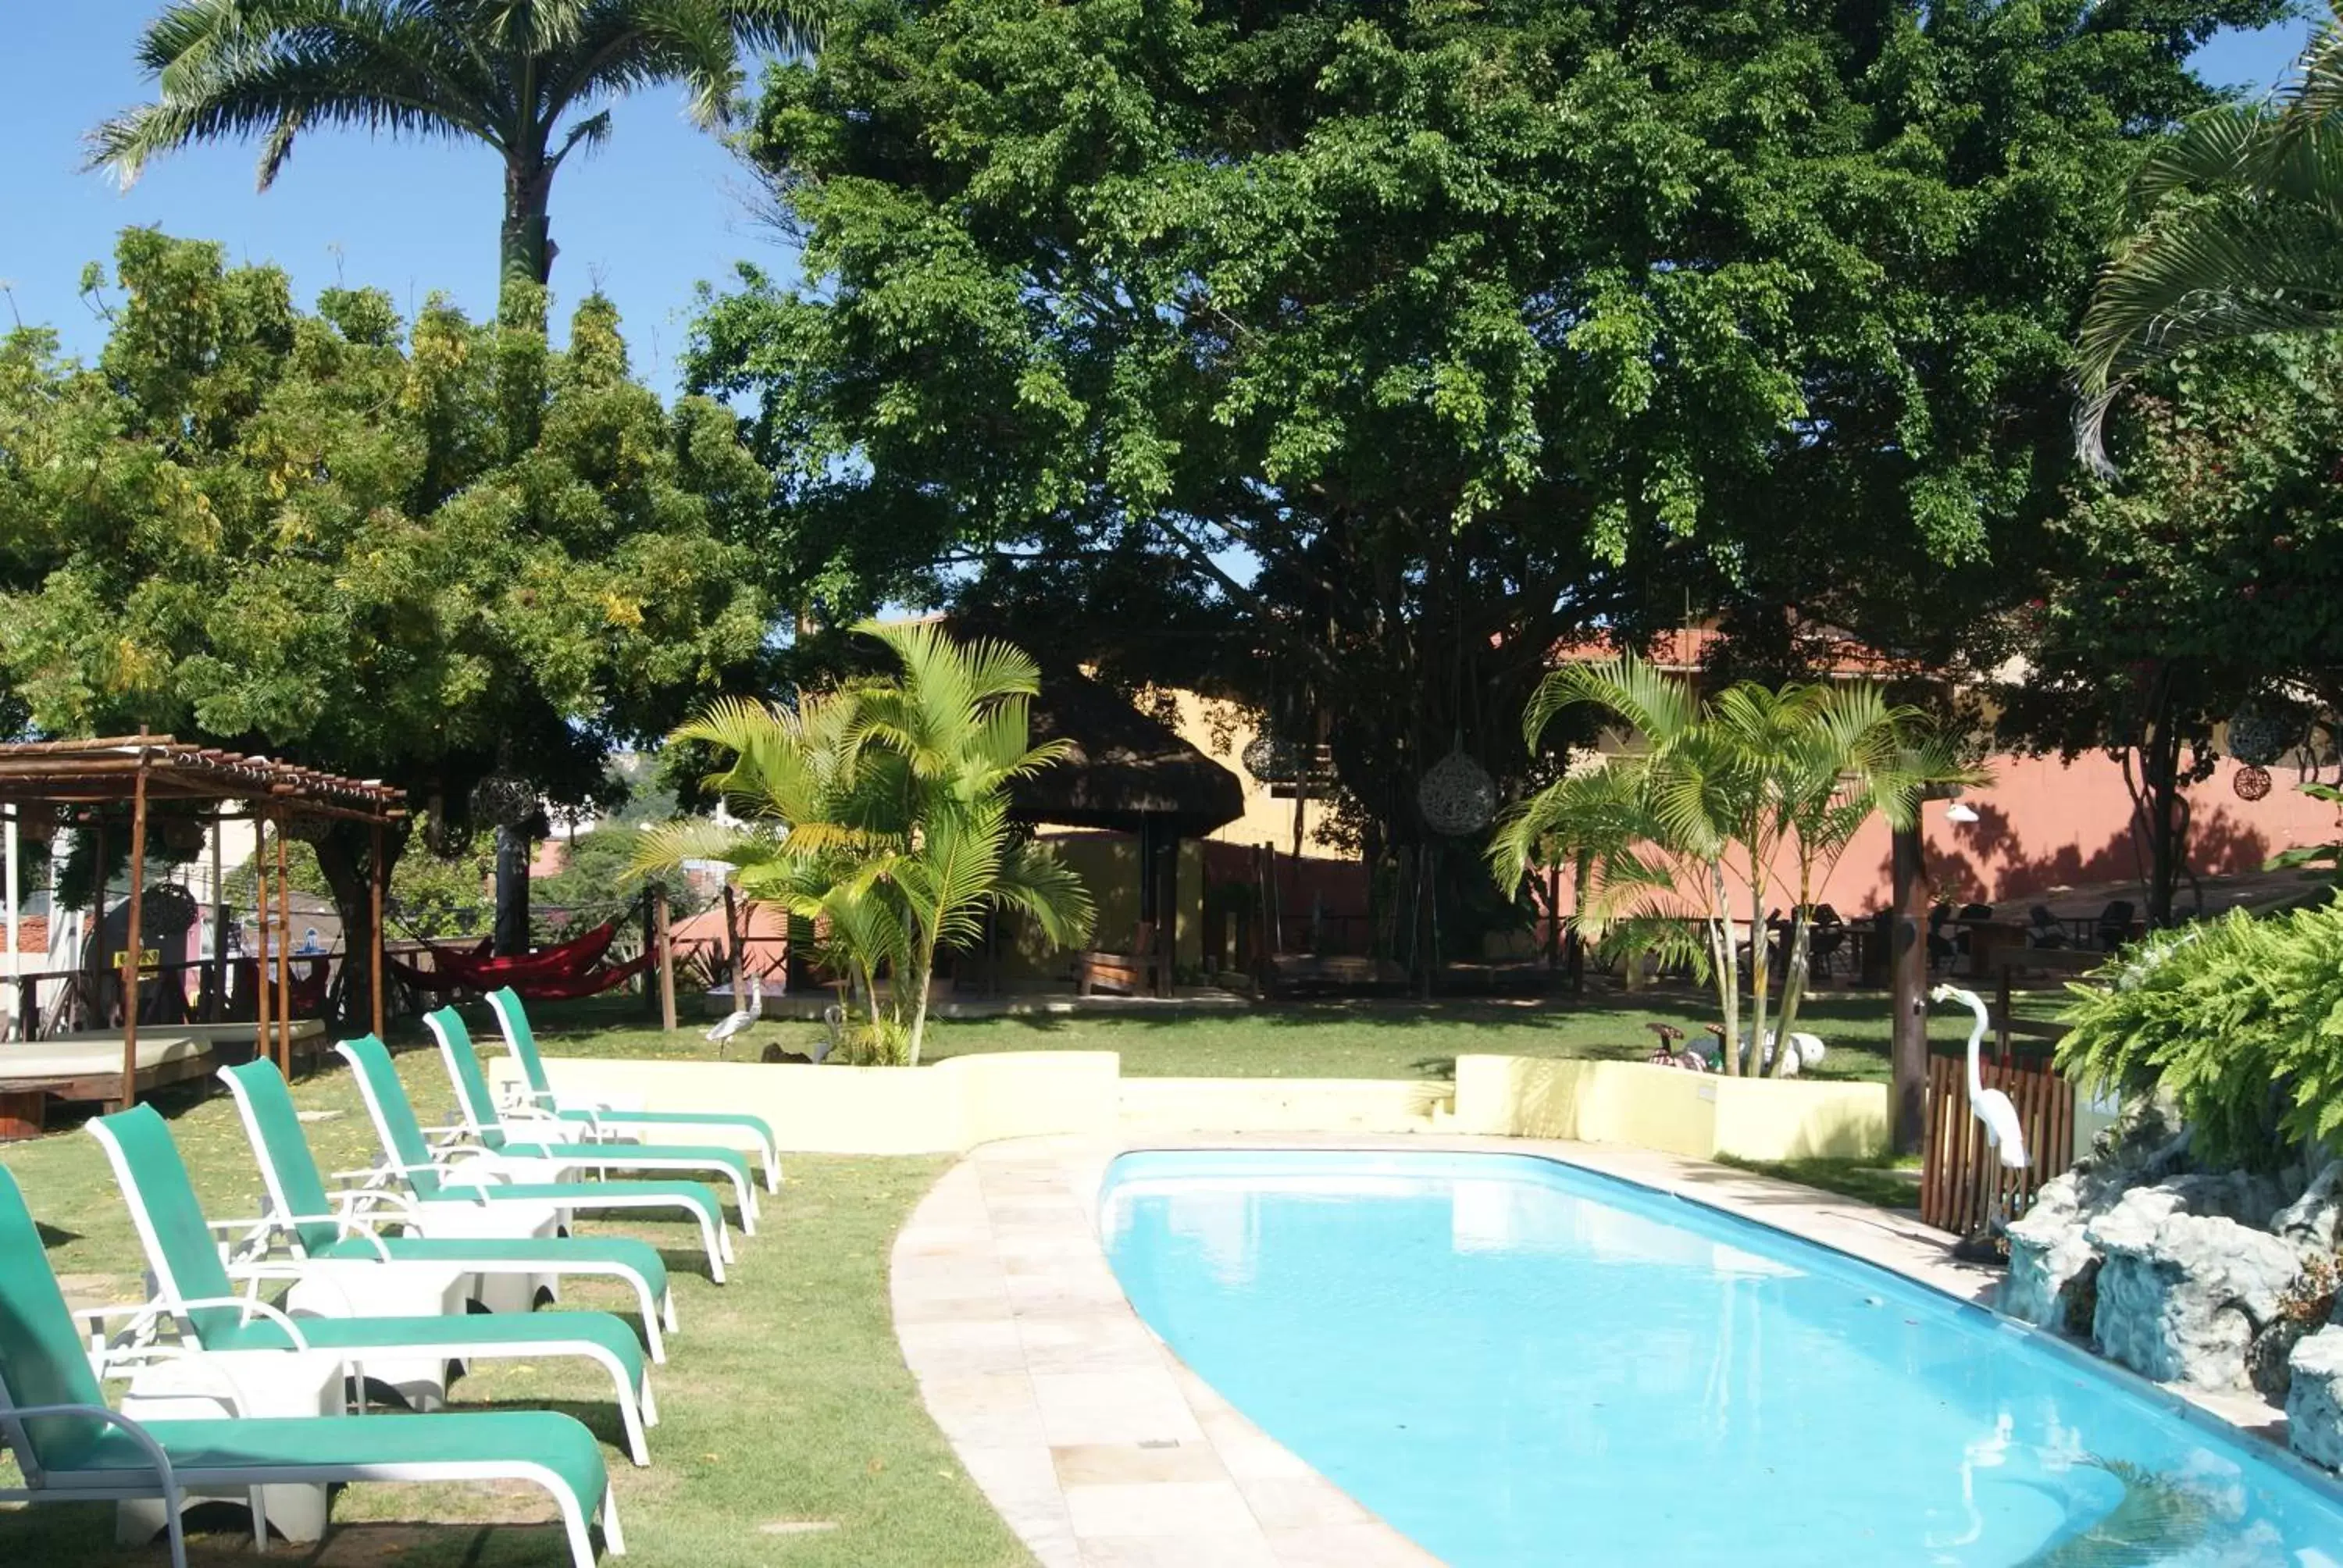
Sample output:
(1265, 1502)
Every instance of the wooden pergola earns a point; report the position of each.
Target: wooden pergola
(143, 769)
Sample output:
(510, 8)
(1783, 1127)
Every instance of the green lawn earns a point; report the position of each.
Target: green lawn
(1378, 1039)
(791, 1435)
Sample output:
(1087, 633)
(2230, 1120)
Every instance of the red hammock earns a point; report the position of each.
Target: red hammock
(567, 961)
(590, 984)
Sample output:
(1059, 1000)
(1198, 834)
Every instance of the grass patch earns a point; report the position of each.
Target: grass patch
(1890, 1186)
(1363, 1039)
(784, 1402)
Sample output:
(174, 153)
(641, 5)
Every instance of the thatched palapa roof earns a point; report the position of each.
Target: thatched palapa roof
(1126, 768)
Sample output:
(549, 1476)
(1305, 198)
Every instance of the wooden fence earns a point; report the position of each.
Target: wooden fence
(1962, 1180)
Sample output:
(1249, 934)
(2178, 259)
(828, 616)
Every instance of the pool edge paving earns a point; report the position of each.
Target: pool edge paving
(1101, 1449)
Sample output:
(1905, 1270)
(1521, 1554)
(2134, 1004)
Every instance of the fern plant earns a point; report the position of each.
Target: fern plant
(2237, 1020)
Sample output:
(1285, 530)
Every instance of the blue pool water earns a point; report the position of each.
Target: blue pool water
(1515, 1363)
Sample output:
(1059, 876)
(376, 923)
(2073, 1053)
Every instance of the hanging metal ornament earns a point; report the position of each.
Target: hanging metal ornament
(1272, 758)
(504, 800)
(2259, 734)
(181, 835)
(2250, 783)
(309, 829)
(1457, 795)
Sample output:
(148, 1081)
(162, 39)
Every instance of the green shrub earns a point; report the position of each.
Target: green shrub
(2237, 1020)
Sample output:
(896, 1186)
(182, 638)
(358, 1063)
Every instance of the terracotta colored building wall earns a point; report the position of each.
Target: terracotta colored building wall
(2045, 825)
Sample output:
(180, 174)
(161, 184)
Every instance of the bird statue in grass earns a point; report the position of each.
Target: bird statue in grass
(738, 1020)
(1668, 1055)
(1805, 1050)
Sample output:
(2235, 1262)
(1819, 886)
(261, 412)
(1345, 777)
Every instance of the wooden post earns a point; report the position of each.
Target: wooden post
(218, 1011)
(264, 1045)
(376, 879)
(284, 956)
(732, 947)
(132, 933)
(1908, 969)
(665, 960)
(94, 965)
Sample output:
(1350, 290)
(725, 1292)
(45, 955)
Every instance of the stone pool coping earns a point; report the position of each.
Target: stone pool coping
(1101, 1449)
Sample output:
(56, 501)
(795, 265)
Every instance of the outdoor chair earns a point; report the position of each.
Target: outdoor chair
(320, 1227)
(534, 1135)
(72, 1447)
(2114, 925)
(470, 1184)
(195, 1289)
(1941, 948)
(1826, 936)
(602, 1119)
(2044, 928)
(1144, 971)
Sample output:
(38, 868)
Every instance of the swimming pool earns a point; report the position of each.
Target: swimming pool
(1517, 1362)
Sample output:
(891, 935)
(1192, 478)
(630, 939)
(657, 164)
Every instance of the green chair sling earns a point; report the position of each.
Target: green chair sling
(512, 1020)
(321, 1227)
(535, 1136)
(196, 1288)
(72, 1447)
(462, 1176)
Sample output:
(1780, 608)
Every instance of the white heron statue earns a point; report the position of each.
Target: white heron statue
(2003, 1129)
(738, 1020)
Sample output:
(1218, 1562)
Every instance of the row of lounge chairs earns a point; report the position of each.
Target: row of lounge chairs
(382, 1270)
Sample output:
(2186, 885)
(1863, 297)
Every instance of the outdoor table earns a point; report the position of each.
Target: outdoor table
(226, 1384)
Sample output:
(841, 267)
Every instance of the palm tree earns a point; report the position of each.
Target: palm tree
(2239, 222)
(881, 811)
(1756, 791)
(530, 78)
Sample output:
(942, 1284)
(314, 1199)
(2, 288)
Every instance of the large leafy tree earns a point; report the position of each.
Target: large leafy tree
(530, 79)
(1345, 358)
(416, 552)
(2206, 577)
(2236, 224)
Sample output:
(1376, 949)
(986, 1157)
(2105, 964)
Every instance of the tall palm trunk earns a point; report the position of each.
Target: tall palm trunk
(528, 248)
(1727, 965)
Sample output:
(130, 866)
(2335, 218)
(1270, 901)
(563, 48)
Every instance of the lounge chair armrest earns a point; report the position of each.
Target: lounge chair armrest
(130, 1428)
(346, 1226)
(250, 1306)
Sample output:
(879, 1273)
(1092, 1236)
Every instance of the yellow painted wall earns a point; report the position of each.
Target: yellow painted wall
(1696, 1115)
(1278, 1105)
(957, 1104)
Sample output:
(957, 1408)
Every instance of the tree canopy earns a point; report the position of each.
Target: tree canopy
(415, 553)
(1346, 359)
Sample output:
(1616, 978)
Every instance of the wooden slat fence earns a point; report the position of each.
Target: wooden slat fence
(1962, 1180)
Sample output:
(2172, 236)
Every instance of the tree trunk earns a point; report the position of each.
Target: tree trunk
(528, 248)
(512, 891)
(1728, 969)
(342, 858)
(1908, 991)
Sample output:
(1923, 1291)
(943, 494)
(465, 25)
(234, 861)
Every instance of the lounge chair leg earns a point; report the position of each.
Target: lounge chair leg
(173, 1528)
(630, 1412)
(772, 1169)
(259, 1503)
(724, 1240)
(612, 1539)
(667, 1307)
(649, 1402)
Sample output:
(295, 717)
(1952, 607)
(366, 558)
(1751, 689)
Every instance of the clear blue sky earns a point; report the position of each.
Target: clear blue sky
(662, 207)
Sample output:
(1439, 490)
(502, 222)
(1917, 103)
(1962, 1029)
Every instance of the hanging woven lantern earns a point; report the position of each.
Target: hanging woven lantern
(309, 828)
(2260, 733)
(36, 824)
(1272, 758)
(504, 800)
(1457, 795)
(181, 835)
(2250, 783)
(165, 910)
